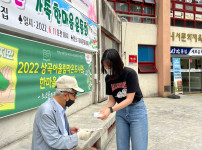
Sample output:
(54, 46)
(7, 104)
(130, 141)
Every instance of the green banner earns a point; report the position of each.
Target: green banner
(29, 70)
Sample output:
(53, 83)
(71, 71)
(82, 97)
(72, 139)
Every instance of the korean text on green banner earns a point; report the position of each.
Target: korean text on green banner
(29, 70)
(177, 76)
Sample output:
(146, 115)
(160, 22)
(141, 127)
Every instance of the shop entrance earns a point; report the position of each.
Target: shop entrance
(191, 69)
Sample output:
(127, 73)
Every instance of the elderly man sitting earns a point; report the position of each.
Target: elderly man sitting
(51, 129)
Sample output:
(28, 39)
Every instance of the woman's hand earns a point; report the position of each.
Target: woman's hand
(102, 111)
(105, 114)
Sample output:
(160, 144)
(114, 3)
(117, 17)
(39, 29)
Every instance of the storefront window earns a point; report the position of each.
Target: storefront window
(195, 75)
(191, 70)
(195, 82)
(185, 82)
(195, 63)
(185, 74)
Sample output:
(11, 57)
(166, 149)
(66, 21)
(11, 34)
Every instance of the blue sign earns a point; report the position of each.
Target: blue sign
(176, 68)
(177, 76)
(186, 51)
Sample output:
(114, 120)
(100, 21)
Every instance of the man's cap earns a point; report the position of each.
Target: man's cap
(67, 82)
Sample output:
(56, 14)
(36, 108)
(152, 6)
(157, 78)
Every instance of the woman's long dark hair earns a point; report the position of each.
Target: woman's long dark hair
(112, 57)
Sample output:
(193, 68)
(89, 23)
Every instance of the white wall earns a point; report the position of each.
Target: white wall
(134, 34)
(19, 125)
(16, 126)
(108, 19)
(149, 84)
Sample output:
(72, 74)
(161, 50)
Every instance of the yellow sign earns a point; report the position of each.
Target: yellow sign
(8, 79)
(184, 37)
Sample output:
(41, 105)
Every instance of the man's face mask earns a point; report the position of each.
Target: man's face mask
(109, 71)
(69, 103)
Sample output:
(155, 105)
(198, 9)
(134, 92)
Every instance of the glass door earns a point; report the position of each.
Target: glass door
(191, 69)
(195, 75)
(185, 74)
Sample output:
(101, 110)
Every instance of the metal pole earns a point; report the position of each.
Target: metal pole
(123, 43)
(96, 80)
(98, 54)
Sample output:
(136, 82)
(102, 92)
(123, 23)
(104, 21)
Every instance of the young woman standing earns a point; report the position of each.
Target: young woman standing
(122, 86)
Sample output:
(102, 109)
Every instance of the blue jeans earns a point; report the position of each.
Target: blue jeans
(131, 122)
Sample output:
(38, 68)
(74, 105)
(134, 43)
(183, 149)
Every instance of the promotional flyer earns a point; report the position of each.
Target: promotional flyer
(177, 76)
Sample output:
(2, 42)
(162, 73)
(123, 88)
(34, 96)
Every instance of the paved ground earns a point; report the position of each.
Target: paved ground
(174, 124)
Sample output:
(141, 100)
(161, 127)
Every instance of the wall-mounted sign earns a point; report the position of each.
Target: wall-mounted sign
(132, 59)
(189, 16)
(184, 37)
(198, 17)
(179, 14)
(186, 51)
(52, 20)
(29, 70)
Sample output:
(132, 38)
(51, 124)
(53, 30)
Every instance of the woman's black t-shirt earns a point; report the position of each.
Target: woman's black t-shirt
(127, 82)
